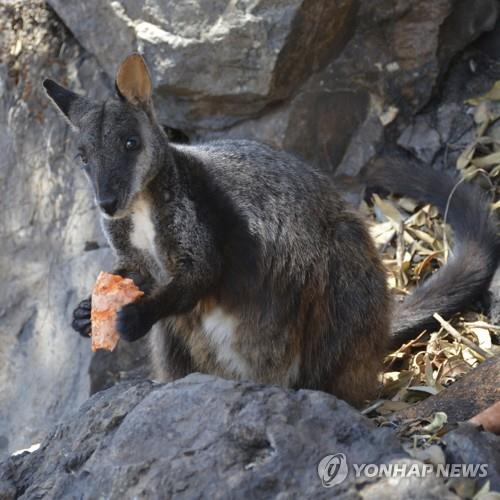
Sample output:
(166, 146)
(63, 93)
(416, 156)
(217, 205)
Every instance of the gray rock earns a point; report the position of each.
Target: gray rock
(363, 146)
(323, 136)
(126, 362)
(475, 392)
(301, 76)
(219, 61)
(421, 139)
(428, 487)
(47, 221)
(204, 437)
(446, 115)
(464, 24)
(393, 58)
(470, 445)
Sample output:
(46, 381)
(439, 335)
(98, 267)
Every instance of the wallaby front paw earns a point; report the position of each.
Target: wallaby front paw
(132, 322)
(142, 282)
(81, 318)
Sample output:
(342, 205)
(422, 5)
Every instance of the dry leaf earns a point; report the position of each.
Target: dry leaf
(439, 420)
(424, 388)
(466, 156)
(387, 209)
(482, 114)
(388, 116)
(492, 95)
(434, 454)
(483, 337)
(487, 161)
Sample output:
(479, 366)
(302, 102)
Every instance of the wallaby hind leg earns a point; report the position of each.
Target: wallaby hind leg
(345, 363)
(344, 344)
(169, 355)
(358, 381)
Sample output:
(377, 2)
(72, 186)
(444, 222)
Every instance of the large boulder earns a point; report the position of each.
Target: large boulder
(312, 77)
(389, 68)
(215, 62)
(48, 222)
(204, 437)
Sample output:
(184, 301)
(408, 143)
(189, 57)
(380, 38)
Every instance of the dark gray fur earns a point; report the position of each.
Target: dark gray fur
(475, 254)
(240, 230)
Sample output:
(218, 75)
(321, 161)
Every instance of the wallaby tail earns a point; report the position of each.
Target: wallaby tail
(475, 254)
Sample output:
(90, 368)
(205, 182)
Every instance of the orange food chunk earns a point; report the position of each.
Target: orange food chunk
(110, 293)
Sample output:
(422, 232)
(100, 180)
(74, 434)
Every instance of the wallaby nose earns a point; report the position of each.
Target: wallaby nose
(109, 205)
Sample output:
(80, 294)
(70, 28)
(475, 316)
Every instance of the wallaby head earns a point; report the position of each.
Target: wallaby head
(120, 144)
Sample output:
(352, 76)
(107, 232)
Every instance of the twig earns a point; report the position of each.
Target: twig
(405, 347)
(400, 252)
(458, 336)
(373, 407)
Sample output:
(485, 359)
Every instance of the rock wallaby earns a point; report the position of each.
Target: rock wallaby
(252, 265)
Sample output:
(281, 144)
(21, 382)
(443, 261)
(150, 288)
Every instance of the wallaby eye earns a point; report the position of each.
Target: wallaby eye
(132, 143)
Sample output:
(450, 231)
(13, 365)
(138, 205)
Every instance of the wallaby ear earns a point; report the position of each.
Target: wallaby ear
(133, 82)
(72, 105)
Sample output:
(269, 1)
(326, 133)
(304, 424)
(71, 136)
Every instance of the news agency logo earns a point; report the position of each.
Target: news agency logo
(332, 470)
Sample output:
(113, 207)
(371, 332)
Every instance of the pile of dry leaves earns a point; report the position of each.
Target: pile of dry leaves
(414, 241)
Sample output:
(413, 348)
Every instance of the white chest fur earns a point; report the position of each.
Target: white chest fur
(220, 327)
(143, 232)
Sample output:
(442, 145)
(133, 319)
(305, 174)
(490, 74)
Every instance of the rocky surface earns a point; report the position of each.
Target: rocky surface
(47, 220)
(313, 77)
(339, 83)
(389, 68)
(470, 445)
(51, 246)
(215, 62)
(211, 438)
(467, 397)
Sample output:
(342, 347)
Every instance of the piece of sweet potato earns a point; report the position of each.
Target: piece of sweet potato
(110, 293)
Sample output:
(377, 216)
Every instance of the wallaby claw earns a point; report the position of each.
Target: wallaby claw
(81, 318)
